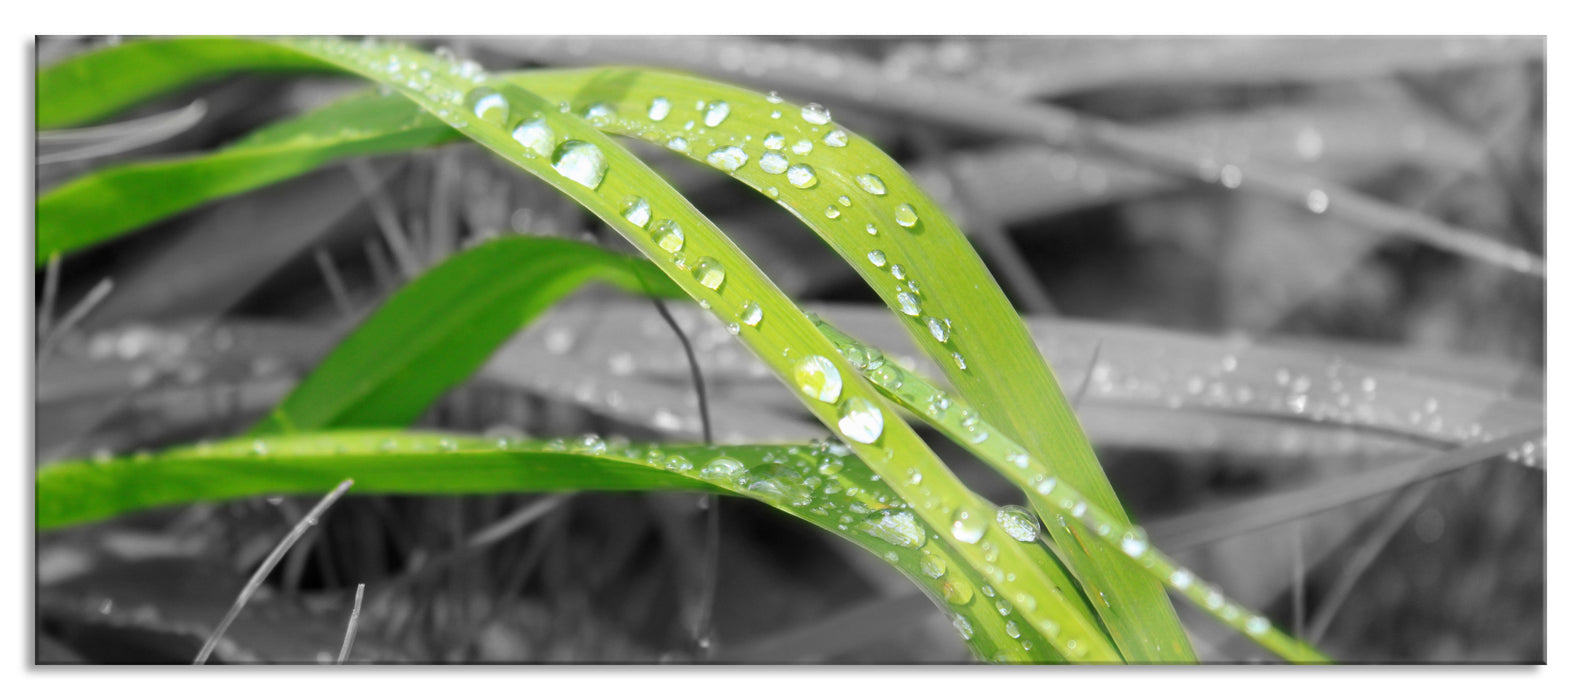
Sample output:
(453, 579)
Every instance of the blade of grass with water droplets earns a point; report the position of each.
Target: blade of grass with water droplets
(436, 331)
(1055, 500)
(823, 484)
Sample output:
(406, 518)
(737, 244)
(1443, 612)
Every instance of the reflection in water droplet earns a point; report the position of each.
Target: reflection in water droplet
(860, 420)
(835, 139)
(876, 257)
(871, 184)
(905, 215)
(717, 111)
(773, 163)
(709, 273)
(659, 109)
(814, 113)
(872, 230)
(1017, 522)
(490, 106)
(581, 162)
(802, 176)
(802, 147)
(908, 303)
(728, 158)
(817, 377)
(968, 527)
(536, 136)
(751, 314)
(938, 329)
(637, 211)
(774, 141)
(831, 212)
(667, 235)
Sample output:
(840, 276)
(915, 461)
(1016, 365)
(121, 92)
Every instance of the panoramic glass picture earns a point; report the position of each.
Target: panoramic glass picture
(714, 350)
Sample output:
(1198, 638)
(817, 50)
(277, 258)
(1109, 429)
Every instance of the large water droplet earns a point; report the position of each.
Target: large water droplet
(934, 566)
(938, 329)
(751, 314)
(968, 527)
(817, 377)
(1017, 522)
(637, 211)
(535, 136)
(659, 109)
(717, 111)
(814, 113)
(860, 420)
(668, 235)
(905, 215)
(774, 141)
(722, 468)
(581, 162)
(835, 139)
(908, 303)
(876, 257)
(899, 528)
(709, 273)
(773, 163)
(490, 106)
(871, 184)
(728, 158)
(802, 176)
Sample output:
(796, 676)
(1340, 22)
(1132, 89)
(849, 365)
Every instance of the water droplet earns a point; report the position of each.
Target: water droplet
(860, 420)
(962, 626)
(260, 448)
(722, 468)
(802, 147)
(908, 303)
(905, 215)
(899, 528)
(817, 377)
(876, 257)
(872, 230)
(836, 139)
(1230, 177)
(677, 144)
(535, 136)
(591, 444)
(814, 113)
(1258, 626)
(667, 234)
(1017, 457)
(717, 111)
(637, 211)
(938, 329)
(599, 114)
(774, 141)
(831, 212)
(773, 163)
(961, 362)
(1012, 630)
(898, 272)
(490, 106)
(934, 566)
(751, 314)
(1133, 545)
(802, 176)
(871, 184)
(1017, 522)
(659, 109)
(581, 162)
(1180, 578)
(1317, 201)
(709, 273)
(968, 528)
(728, 158)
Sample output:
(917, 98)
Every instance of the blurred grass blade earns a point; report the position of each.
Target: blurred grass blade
(99, 141)
(823, 484)
(1055, 500)
(436, 331)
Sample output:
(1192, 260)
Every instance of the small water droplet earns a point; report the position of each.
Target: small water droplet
(659, 109)
(1258, 626)
(802, 147)
(871, 184)
(860, 420)
(717, 111)
(490, 106)
(938, 329)
(961, 362)
(1317, 201)
(814, 113)
(898, 272)
(905, 215)
(729, 158)
(677, 144)
(774, 141)
(667, 235)
(536, 136)
(1017, 522)
(751, 314)
(818, 378)
(899, 528)
(1012, 630)
(1018, 458)
(1230, 177)
(722, 468)
(709, 273)
(908, 303)
(835, 139)
(876, 257)
(831, 212)
(1180, 578)
(1133, 545)
(968, 528)
(933, 565)
(872, 230)
(581, 162)
(802, 176)
(773, 163)
(637, 211)
(599, 114)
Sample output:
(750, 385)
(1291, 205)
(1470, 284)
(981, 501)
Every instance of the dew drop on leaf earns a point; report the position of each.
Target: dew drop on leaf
(1133, 545)
(722, 468)
(677, 144)
(637, 211)
(751, 314)
(831, 212)
(905, 215)
(817, 377)
(1017, 522)
(968, 528)
(667, 234)
(716, 112)
(814, 113)
(899, 528)
(876, 257)
(871, 184)
(581, 162)
(659, 109)
(860, 420)
(872, 230)
(802, 147)
(535, 136)
(802, 176)
(1317, 201)
(773, 163)
(835, 139)
(490, 106)
(938, 329)
(709, 273)
(728, 158)
(774, 141)
(934, 566)
(908, 303)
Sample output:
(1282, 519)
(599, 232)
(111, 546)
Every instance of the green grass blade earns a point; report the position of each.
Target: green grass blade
(822, 483)
(117, 200)
(436, 331)
(1055, 500)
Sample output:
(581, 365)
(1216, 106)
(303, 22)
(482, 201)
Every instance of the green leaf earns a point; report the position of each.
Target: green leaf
(436, 331)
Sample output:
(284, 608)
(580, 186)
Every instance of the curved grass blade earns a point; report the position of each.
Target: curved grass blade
(436, 331)
(116, 200)
(1053, 498)
(822, 483)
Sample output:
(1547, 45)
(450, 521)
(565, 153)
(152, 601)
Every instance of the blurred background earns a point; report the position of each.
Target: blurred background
(1264, 269)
